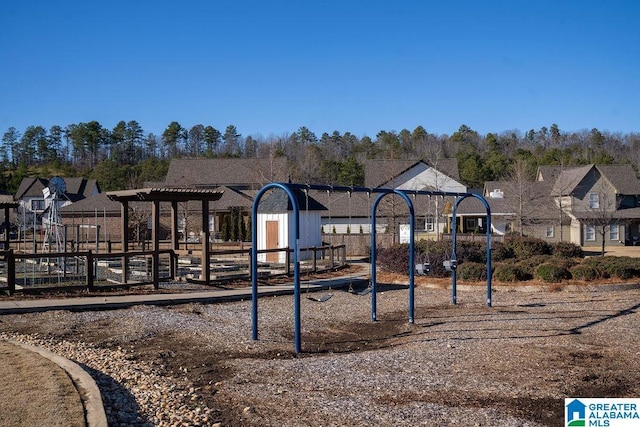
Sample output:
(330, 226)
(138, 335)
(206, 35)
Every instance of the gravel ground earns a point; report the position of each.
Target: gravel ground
(509, 365)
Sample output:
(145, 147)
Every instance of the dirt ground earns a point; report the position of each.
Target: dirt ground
(547, 345)
(541, 346)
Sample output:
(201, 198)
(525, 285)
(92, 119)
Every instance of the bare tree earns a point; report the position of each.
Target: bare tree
(525, 197)
(601, 214)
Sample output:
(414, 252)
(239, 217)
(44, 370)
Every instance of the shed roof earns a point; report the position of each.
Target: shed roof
(278, 201)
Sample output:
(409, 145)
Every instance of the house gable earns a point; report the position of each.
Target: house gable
(413, 175)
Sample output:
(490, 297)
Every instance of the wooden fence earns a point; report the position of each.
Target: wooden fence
(84, 269)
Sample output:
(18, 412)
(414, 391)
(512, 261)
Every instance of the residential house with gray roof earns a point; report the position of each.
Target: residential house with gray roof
(602, 203)
(32, 192)
(586, 205)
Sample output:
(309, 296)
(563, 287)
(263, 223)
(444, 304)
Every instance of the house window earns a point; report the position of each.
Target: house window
(550, 231)
(590, 233)
(429, 223)
(594, 200)
(37, 204)
(614, 232)
(470, 225)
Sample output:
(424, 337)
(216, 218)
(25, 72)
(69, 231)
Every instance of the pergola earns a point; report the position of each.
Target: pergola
(173, 196)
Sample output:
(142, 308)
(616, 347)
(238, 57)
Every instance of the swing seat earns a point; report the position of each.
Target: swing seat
(365, 291)
(423, 269)
(321, 299)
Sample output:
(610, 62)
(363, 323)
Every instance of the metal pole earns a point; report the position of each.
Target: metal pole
(454, 259)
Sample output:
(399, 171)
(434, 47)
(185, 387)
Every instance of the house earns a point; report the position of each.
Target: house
(32, 194)
(583, 205)
(241, 179)
(602, 202)
(516, 208)
(99, 217)
(350, 213)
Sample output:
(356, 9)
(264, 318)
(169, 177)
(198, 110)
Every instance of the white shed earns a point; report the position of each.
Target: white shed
(275, 224)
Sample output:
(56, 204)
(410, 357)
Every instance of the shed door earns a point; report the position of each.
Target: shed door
(272, 240)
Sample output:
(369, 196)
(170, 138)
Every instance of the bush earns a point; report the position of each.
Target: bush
(526, 247)
(618, 267)
(567, 250)
(584, 272)
(510, 273)
(552, 273)
(469, 251)
(500, 251)
(394, 259)
(529, 265)
(474, 271)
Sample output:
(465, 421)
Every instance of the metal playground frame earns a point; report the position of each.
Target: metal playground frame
(289, 189)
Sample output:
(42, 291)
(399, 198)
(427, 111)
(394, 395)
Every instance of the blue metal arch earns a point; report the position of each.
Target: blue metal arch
(374, 207)
(296, 262)
(454, 227)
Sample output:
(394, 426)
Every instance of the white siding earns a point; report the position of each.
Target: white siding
(309, 232)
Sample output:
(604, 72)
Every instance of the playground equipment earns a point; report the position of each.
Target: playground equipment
(52, 221)
(289, 189)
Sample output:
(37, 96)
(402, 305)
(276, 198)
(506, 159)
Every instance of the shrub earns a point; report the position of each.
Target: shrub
(552, 273)
(394, 259)
(529, 265)
(584, 272)
(567, 250)
(470, 251)
(526, 247)
(510, 273)
(472, 271)
(500, 251)
(618, 267)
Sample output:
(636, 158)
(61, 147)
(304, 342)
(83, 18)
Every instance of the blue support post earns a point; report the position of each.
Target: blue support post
(454, 256)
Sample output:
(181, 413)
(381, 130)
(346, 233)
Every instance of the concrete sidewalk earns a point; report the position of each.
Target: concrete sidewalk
(214, 295)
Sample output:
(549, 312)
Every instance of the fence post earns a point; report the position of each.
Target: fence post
(331, 256)
(89, 269)
(11, 271)
(173, 264)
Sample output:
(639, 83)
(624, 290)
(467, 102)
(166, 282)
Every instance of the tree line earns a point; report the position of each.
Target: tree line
(126, 157)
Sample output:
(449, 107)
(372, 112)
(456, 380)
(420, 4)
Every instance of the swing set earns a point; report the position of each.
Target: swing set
(291, 188)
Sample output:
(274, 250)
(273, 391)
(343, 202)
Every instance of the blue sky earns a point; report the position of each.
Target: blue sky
(270, 67)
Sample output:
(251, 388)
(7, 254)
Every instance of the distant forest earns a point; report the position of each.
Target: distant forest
(126, 157)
